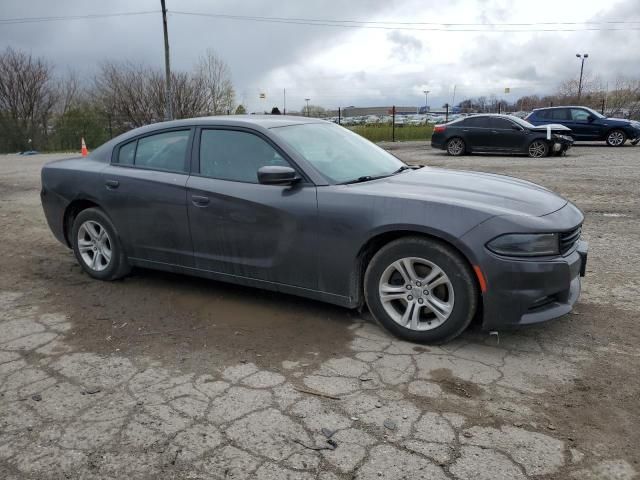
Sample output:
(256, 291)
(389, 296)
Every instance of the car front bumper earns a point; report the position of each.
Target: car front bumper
(525, 291)
(529, 292)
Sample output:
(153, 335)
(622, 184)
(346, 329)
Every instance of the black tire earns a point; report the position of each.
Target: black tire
(456, 147)
(616, 138)
(455, 267)
(117, 266)
(538, 149)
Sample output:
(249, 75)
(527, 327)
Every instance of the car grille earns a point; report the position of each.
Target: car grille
(569, 239)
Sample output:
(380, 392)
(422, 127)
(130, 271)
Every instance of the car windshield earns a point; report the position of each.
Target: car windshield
(339, 154)
(521, 122)
(594, 113)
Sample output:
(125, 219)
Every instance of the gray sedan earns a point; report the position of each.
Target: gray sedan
(306, 207)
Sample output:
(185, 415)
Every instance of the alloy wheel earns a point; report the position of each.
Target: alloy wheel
(455, 147)
(94, 245)
(616, 138)
(416, 293)
(537, 149)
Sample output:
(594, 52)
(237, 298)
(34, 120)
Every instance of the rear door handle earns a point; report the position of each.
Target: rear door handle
(199, 201)
(112, 184)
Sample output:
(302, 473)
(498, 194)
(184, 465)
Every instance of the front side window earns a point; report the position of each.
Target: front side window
(480, 122)
(236, 156)
(579, 115)
(501, 123)
(163, 151)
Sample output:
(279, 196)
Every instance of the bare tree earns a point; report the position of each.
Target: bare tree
(215, 76)
(624, 99)
(132, 95)
(27, 98)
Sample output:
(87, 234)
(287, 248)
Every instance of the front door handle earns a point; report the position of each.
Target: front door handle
(199, 200)
(112, 184)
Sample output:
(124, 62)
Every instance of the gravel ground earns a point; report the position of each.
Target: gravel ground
(165, 376)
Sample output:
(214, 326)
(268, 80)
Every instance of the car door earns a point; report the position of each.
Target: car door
(477, 134)
(506, 135)
(242, 228)
(145, 196)
(585, 125)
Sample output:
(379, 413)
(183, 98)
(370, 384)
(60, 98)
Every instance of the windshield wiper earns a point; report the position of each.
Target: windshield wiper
(402, 169)
(364, 178)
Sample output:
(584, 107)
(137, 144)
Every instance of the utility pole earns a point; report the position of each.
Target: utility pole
(168, 115)
(307, 100)
(284, 101)
(583, 57)
(426, 103)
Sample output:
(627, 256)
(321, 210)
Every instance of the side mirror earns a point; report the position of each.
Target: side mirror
(591, 118)
(277, 175)
(516, 128)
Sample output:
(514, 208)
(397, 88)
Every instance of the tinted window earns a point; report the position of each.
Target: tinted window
(477, 122)
(126, 153)
(501, 123)
(163, 151)
(237, 156)
(543, 114)
(560, 114)
(579, 115)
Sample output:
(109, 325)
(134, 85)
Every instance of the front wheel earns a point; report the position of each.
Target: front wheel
(97, 247)
(616, 138)
(421, 290)
(538, 149)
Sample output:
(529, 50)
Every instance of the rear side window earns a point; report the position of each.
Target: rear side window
(126, 153)
(561, 114)
(482, 122)
(236, 156)
(162, 151)
(544, 114)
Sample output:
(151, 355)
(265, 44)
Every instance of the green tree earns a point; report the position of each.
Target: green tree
(241, 110)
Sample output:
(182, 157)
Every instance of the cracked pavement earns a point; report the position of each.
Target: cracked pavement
(99, 383)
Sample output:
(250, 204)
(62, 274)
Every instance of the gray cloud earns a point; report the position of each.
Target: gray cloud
(477, 63)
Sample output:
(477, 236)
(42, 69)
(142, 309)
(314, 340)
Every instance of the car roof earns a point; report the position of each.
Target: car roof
(266, 121)
(561, 106)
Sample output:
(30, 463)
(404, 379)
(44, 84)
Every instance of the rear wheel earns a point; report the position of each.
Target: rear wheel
(421, 290)
(616, 138)
(97, 247)
(456, 147)
(538, 149)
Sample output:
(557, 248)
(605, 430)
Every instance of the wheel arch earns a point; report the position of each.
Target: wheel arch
(380, 239)
(71, 212)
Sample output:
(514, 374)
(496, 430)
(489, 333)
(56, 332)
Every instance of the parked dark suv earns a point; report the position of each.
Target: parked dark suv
(588, 125)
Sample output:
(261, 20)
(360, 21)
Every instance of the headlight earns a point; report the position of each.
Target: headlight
(525, 244)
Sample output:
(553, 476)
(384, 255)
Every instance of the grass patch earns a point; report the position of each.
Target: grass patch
(383, 133)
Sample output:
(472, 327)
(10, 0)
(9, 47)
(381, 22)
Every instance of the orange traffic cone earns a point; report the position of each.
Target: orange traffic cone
(85, 152)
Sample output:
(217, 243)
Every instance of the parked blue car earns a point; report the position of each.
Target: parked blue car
(588, 125)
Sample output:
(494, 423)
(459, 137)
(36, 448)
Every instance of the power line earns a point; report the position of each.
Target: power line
(437, 27)
(10, 21)
(613, 25)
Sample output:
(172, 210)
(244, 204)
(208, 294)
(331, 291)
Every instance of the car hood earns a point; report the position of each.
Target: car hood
(492, 194)
(555, 127)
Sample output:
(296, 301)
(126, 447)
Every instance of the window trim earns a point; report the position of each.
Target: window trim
(187, 154)
(195, 153)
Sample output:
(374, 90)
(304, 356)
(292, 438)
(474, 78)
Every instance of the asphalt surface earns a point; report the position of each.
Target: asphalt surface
(166, 376)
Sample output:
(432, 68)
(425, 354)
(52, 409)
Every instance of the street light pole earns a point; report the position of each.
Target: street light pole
(426, 96)
(307, 100)
(583, 57)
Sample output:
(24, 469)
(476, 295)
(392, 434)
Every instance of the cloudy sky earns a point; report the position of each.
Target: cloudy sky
(405, 49)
